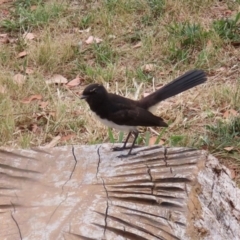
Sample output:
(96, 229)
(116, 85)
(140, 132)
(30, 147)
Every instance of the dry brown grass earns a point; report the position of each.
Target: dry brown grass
(164, 31)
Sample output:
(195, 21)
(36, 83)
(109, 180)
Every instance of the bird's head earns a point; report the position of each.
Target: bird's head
(93, 92)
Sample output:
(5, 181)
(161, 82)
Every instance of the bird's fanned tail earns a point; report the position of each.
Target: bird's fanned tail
(186, 81)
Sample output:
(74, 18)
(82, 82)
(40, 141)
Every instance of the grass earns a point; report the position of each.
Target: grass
(173, 36)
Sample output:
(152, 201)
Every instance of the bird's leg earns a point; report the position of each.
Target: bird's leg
(124, 145)
(130, 151)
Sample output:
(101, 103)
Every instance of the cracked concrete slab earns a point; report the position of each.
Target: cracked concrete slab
(86, 192)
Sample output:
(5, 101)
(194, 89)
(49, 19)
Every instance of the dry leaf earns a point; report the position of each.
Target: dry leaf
(209, 44)
(33, 127)
(33, 7)
(29, 71)
(233, 173)
(4, 38)
(138, 45)
(43, 105)
(161, 142)
(148, 67)
(51, 114)
(228, 12)
(111, 36)
(92, 40)
(228, 149)
(75, 82)
(4, 1)
(221, 69)
(230, 113)
(22, 54)
(19, 79)
(68, 137)
(28, 36)
(153, 140)
(57, 78)
(85, 30)
(53, 143)
(2, 89)
(31, 98)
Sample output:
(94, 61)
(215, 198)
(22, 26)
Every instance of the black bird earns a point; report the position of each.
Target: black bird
(126, 114)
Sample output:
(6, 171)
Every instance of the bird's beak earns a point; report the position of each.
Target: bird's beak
(83, 96)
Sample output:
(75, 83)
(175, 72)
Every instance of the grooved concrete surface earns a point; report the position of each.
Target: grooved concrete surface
(86, 192)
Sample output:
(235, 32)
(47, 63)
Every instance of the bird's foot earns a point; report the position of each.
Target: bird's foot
(116, 149)
(126, 155)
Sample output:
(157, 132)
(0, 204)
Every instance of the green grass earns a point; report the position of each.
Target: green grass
(24, 18)
(229, 28)
(223, 135)
(175, 36)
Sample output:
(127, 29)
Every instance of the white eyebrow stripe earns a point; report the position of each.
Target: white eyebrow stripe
(93, 90)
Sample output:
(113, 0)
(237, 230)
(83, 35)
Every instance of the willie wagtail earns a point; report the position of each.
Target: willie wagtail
(126, 114)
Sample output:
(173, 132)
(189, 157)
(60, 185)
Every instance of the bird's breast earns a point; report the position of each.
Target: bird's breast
(111, 124)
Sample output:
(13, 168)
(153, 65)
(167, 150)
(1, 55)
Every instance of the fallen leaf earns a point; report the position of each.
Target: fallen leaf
(43, 105)
(92, 40)
(209, 44)
(75, 82)
(28, 36)
(152, 141)
(228, 12)
(29, 71)
(161, 142)
(53, 143)
(13, 40)
(33, 7)
(51, 114)
(221, 69)
(235, 44)
(57, 78)
(31, 98)
(5, 12)
(68, 137)
(19, 79)
(33, 127)
(230, 113)
(228, 149)
(85, 30)
(77, 112)
(22, 54)
(148, 67)
(4, 1)
(111, 36)
(2, 89)
(4, 38)
(138, 45)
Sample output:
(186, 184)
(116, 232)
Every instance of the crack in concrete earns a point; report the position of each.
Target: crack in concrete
(106, 211)
(185, 188)
(13, 218)
(165, 156)
(99, 161)
(75, 159)
(151, 178)
(70, 177)
(57, 209)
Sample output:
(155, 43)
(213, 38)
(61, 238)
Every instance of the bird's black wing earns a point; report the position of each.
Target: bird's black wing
(135, 117)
